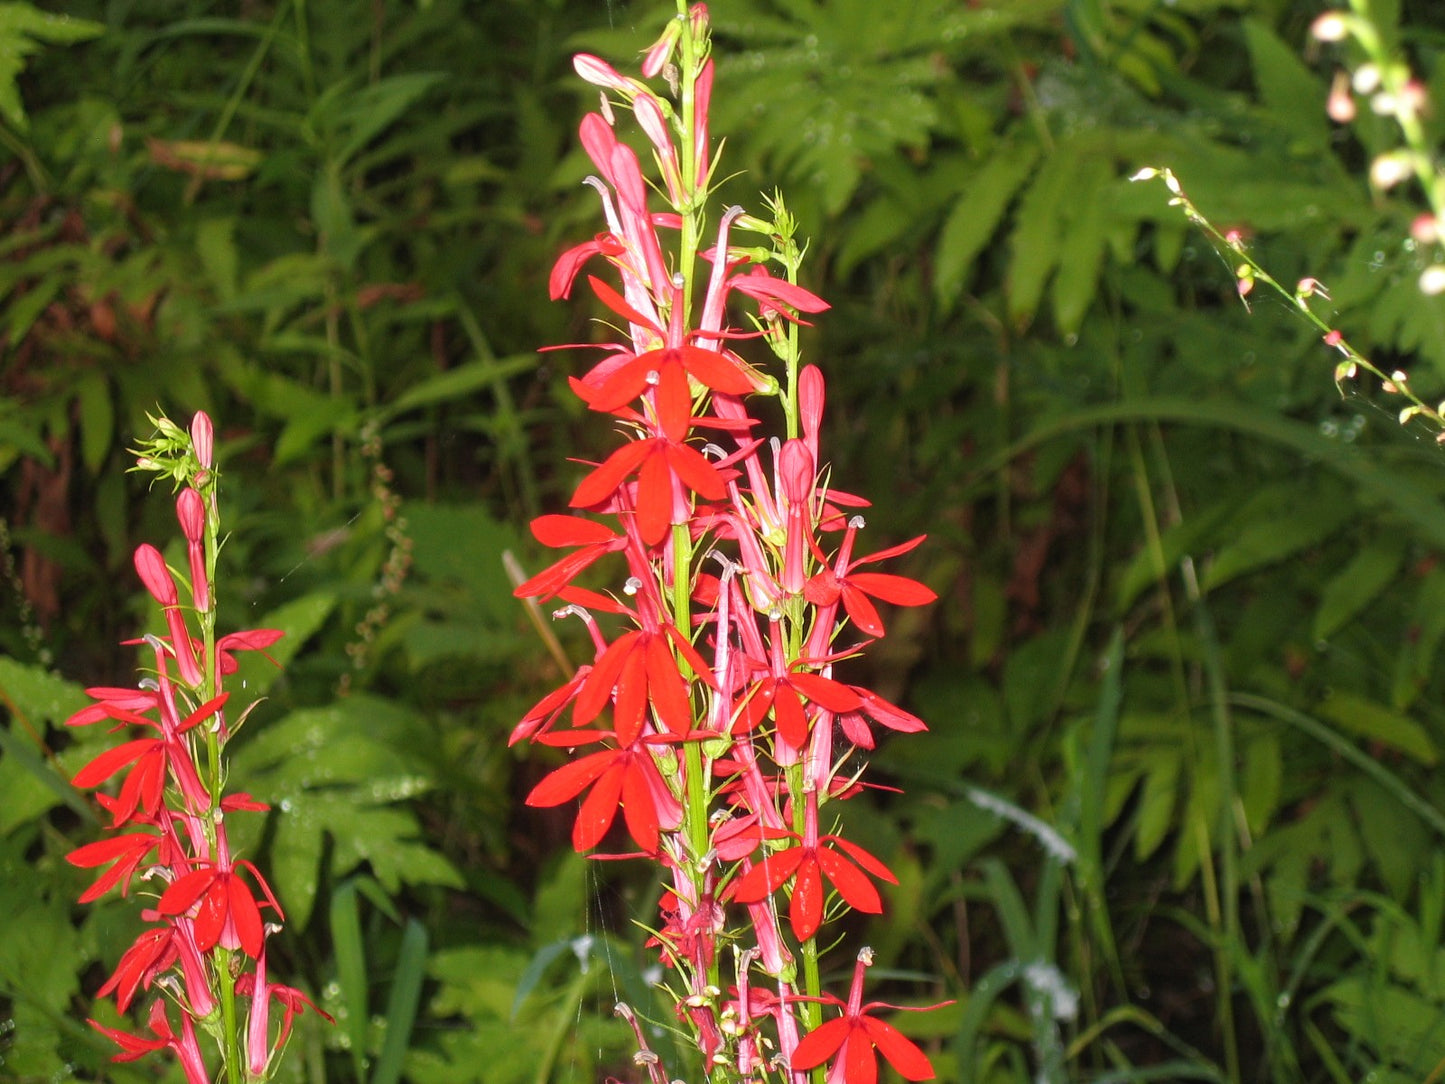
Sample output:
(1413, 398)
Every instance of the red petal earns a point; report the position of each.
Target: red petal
(765, 876)
(902, 1053)
(597, 689)
(892, 551)
(862, 612)
(791, 719)
(632, 689)
(604, 481)
(860, 1065)
(570, 780)
(598, 810)
(113, 760)
(805, 911)
(899, 590)
(667, 689)
(674, 402)
(654, 496)
(855, 888)
(245, 915)
(561, 531)
(825, 692)
(864, 859)
(821, 1043)
(616, 302)
(696, 472)
(716, 371)
(638, 810)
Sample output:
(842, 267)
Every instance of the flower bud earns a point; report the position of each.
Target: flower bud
(191, 512)
(203, 439)
(1330, 27)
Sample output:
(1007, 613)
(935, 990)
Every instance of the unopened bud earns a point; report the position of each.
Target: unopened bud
(1389, 170)
(1340, 105)
(1366, 79)
(1330, 26)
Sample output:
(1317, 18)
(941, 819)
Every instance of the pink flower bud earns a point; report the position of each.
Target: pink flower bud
(1340, 106)
(155, 575)
(600, 73)
(810, 405)
(661, 51)
(203, 439)
(191, 512)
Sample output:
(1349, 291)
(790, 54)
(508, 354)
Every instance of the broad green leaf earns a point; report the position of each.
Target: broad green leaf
(1260, 784)
(1378, 723)
(1034, 248)
(976, 216)
(1158, 803)
(1355, 586)
(1081, 249)
(458, 382)
(23, 28)
(1290, 90)
(1273, 525)
(97, 420)
(1394, 838)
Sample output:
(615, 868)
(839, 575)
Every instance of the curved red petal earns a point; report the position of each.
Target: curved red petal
(696, 472)
(805, 910)
(825, 692)
(862, 612)
(900, 1051)
(632, 690)
(899, 590)
(559, 531)
(603, 482)
(638, 809)
(821, 1043)
(863, 858)
(570, 780)
(716, 370)
(667, 689)
(766, 876)
(598, 810)
(850, 882)
(245, 915)
(654, 496)
(113, 760)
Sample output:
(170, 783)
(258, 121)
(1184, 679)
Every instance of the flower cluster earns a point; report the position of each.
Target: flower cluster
(714, 721)
(208, 917)
(1381, 79)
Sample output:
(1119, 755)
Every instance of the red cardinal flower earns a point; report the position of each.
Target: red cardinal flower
(809, 863)
(855, 589)
(227, 914)
(857, 1038)
(134, 1047)
(626, 777)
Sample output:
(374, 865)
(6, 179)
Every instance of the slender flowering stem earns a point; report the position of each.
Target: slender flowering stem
(207, 922)
(719, 752)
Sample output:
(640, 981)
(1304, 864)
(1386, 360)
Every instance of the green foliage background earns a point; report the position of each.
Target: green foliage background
(1177, 816)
